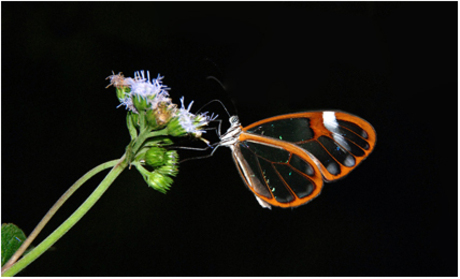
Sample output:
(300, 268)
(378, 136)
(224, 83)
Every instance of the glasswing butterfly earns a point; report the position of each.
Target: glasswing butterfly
(284, 159)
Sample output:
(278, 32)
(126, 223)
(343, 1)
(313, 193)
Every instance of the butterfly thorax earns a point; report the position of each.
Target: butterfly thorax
(232, 135)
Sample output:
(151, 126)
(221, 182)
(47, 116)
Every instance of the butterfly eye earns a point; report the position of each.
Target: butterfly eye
(234, 119)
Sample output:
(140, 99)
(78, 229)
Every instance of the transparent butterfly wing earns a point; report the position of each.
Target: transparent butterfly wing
(338, 141)
(279, 174)
(284, 159)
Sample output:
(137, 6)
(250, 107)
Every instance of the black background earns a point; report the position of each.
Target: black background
(393, 64)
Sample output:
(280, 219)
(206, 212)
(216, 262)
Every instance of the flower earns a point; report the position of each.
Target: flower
(140, 93)
(159, 181)
(186, 122)
(186, 117)
(155, 157)
(153, 91)
(193, 123)
(117, 80)
(162, 114)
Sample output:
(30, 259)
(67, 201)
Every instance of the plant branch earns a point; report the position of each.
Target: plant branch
(54, 209)
(71, 221)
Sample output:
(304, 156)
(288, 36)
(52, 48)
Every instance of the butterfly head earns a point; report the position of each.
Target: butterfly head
(231, 136)
(234, 120)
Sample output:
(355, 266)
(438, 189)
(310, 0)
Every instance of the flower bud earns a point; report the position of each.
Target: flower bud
(152, 120)
(159, 182)
(122, 93)
(156, 156)
(165, 112)
(175, 129)
(170, 170)
(172, 157)
(161, 115)
(140, 103)
(121, 85)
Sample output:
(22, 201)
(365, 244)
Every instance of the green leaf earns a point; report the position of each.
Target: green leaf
(129, 151)
(12, 239)
(131, 127)
(141, 120)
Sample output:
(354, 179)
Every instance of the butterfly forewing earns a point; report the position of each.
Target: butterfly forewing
(337, 141)
(279, 173)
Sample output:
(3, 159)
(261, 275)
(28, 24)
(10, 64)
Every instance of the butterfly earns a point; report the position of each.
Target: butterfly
(284, 160)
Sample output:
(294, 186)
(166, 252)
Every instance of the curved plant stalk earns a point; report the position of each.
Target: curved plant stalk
(120, 165)
(70, 222)
(54, 209)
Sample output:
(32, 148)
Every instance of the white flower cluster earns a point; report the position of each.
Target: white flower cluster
(191, 122)
(153, 92)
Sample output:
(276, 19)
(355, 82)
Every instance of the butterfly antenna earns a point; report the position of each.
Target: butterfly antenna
(215, 100)
(225, 89)
(218, 81)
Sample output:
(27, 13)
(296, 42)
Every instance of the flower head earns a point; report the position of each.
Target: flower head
(189, 123)
(186, 118)
(140, 93)
(117, 80)
(154, 91)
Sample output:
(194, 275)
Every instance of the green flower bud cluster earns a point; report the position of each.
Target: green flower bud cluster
(164, 164)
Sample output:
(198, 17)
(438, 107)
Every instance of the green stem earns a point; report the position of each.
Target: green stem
(163, 132)
(144, 135)
(53, 210)
(83, 209)
(71, 221)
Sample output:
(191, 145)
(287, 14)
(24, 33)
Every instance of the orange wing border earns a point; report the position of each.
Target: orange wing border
(317, 125)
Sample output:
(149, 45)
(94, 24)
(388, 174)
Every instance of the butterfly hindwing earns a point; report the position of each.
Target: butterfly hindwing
(277, 172)
(337, 140)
